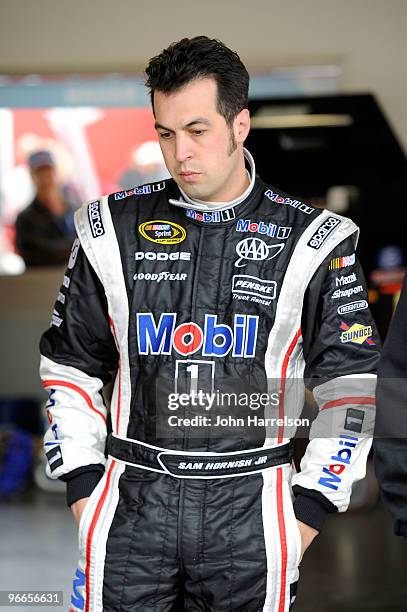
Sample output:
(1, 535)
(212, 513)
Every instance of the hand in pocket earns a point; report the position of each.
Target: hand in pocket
(77, 509)
(307, 536)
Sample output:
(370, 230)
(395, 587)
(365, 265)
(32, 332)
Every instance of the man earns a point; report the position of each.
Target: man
(45, 230)
(390, 443)
(209, 281)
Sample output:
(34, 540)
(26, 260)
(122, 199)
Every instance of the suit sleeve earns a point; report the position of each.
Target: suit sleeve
(390, 443)
(340, 344)
(78, 354)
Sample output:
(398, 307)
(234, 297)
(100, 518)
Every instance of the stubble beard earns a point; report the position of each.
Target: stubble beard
(232, 146)
(232, 142)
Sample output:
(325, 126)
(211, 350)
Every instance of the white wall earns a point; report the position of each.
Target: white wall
(368, 37)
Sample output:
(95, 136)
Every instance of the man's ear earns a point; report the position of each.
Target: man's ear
(241, 125)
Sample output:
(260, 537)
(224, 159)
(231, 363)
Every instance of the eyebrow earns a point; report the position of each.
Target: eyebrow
(198, 120)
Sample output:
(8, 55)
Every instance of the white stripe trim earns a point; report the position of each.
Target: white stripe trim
(302, 266)
(103, 253)
(100, 537)
(271, 541)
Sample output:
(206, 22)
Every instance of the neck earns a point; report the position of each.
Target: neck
(240, 193)
(238, 182)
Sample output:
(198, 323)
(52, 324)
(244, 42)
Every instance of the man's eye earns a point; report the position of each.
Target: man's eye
(165, 135)
(198, 132)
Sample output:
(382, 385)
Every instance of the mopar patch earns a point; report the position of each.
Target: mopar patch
(95, 219)
(54, 457)
(162, 232)
(323, 232)
(354, 420)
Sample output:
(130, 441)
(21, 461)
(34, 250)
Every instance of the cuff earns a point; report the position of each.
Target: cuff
(311, 507)
(81, 482)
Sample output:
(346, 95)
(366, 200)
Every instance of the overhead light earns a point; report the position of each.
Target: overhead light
(300, 121)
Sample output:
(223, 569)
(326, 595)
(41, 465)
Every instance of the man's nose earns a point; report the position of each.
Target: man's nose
(182, 148)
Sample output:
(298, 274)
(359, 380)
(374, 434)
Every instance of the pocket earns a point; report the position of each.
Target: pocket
(88, 511)
(293, 531)
(298, 539)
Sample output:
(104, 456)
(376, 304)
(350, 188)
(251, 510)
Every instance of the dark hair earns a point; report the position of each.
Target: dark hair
(200, 57)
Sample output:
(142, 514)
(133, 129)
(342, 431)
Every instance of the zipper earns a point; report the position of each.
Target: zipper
(193, 302)
(185, 439)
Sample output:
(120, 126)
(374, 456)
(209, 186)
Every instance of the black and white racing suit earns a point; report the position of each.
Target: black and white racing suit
(177, 296)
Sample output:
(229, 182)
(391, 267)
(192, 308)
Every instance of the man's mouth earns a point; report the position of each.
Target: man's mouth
(188, 175)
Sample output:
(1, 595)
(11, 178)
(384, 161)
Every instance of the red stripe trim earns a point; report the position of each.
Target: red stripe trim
(119, 392)
(283, 379)
(279, 485)
(361, 401)
(283, 540)
(86, 397)
(90, 535)
(114, 331)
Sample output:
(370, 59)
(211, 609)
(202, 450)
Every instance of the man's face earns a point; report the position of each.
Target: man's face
(202, 153)
(44, 177)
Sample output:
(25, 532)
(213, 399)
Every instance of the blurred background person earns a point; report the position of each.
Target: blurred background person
(45, 229)
(147, 166)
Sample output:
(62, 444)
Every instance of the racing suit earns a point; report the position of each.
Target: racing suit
(174, 296)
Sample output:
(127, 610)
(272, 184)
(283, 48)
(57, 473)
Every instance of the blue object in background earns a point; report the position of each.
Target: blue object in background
(20, 422)
(15, 461)
(390, 257)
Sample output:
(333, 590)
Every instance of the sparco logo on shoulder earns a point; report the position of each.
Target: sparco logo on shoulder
(95, 219)
(323, 232)
(255, 249)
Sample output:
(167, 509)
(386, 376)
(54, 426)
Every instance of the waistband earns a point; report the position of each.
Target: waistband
(191, 464)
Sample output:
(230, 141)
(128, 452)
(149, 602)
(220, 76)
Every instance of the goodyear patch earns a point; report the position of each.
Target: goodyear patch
(162, 232)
